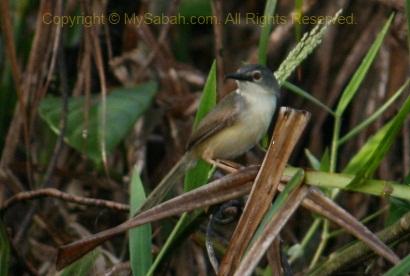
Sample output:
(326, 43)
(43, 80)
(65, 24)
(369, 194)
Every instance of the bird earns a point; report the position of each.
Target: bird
(230, 129)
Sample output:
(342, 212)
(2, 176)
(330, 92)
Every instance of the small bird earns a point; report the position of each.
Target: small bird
(234, 126)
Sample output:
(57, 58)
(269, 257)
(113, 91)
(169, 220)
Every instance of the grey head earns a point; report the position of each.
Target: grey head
(256, 74)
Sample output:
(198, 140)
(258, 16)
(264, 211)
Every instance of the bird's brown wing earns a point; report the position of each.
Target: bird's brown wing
(223, 115)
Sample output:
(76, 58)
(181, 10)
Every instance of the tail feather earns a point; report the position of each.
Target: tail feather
(166, 183)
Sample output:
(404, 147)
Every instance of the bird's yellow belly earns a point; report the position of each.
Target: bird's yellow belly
(232, 141)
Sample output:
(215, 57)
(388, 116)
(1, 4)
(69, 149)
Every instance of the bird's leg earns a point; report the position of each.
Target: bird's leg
(231, 164)
(222, 164)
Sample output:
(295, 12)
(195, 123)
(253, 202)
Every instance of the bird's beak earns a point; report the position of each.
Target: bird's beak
(238, 76)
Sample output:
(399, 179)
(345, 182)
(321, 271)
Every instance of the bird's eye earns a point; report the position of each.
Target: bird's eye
(257, 75)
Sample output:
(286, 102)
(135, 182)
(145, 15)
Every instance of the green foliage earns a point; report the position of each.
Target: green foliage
(140, 237)
(298, 26)
(366, 161)
(306, 95)
(361, 72)
(352, 88)
(265, 31)
(199, 175)
(124, 107)
(374, 116)
(398, 208)
(362, 156)
(401, 269)
(380, 151)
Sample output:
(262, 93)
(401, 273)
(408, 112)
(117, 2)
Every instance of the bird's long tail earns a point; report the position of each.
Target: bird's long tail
(70, 253)
(166, 184)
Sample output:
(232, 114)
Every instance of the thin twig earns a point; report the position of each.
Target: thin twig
(64, 112)
(27, 196)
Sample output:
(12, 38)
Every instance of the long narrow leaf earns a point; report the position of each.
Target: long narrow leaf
(362, 156)
(298, 26)
(374, 161)
(361, 72)
(374, 116)
(306, 95)
(199, 175)
(263, 42)
(140, 237)
(403, 268)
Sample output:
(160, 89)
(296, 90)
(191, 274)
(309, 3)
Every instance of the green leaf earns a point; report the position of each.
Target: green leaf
(265, 32)
(298, 26)
(314, 162)
(398, 208)
(4, 250)
(374, 116)
(297, 90)
(124, 107)
(383, 146)
(319, 165)
(361, 72)
(140, 237)
(325, 161)
(401, 269)
(199, 175)
(208, 98)
(362, 156)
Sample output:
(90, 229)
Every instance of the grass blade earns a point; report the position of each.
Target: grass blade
(361, 72)
(140, 237)
(374, 116)
(265, 31)
(199, 175)
(297, 90)
(403, 268)
(374, 161)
